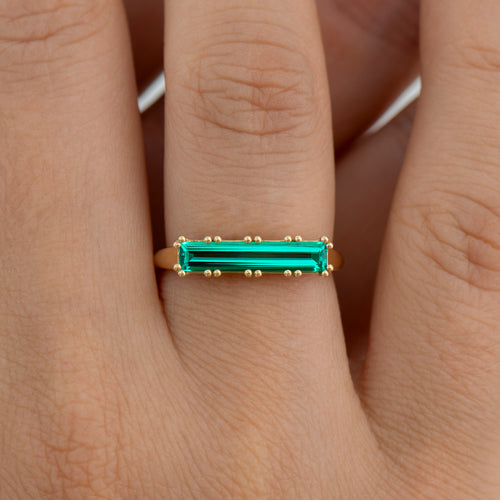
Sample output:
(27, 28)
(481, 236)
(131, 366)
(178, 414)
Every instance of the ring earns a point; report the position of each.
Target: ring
(251, 257)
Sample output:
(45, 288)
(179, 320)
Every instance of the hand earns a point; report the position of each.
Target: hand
(241, 388)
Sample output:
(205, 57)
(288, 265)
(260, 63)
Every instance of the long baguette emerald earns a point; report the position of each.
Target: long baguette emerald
(267, 256)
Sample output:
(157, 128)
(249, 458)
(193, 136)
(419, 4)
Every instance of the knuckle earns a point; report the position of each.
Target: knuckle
(468, 43)
(76, 437)
(479, 55)
(461, 239)
(30, 22)
(252, 87)
(34, 33)
(455, 275)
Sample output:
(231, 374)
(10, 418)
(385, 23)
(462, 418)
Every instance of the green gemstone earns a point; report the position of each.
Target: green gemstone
(267, 256)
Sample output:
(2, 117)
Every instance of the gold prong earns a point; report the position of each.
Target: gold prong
(248, 273)
(288, 273)
(298, 238)
(217, 239)
(325, 239)
(177, 244)
(177, 267)
(288, 239)
(330, 268)
(257, 273)
(181, 239)
(298, 273)
(329, 246)
(247, 239)
(325, 274)
(182, 274)
(207, 239)
(207, 273)
(217, 273)
(258, 239)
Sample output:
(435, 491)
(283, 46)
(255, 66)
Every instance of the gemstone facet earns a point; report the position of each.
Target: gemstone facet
(264, 256)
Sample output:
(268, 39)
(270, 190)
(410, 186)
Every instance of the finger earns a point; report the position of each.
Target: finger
(366, 178)
(372, 56)
(74, 214)
(249, 151)
(370, 52)
(432, 373)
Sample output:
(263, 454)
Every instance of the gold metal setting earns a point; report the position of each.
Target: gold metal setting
(168, 258)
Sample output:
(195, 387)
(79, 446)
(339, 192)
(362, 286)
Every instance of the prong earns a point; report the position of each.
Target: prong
(258, 273)
(288, 239)
(329, 246)
(217, 273)
(207, 273)
(248, 273)
(247, 239)
(181, 239)
(257, 239)
(177, 244)
(182, 274)
(217, 239)
(298, 238)
(325, 239)
(288, 273)
(298, 273)
(177, 267)
(207, 239)
(325, 274)
(330, 268)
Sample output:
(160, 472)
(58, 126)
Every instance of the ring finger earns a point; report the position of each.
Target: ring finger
(249, 150)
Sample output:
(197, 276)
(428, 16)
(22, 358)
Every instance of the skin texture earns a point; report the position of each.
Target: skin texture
(119, 382)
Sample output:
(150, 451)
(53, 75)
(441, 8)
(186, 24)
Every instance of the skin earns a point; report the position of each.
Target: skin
(117, 382)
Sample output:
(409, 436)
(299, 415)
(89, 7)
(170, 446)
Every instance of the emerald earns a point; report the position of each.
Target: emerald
(266, 256)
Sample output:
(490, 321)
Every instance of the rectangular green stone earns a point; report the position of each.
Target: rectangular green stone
(267, 256)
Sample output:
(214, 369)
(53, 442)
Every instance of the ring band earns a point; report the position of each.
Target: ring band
(251, 257)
